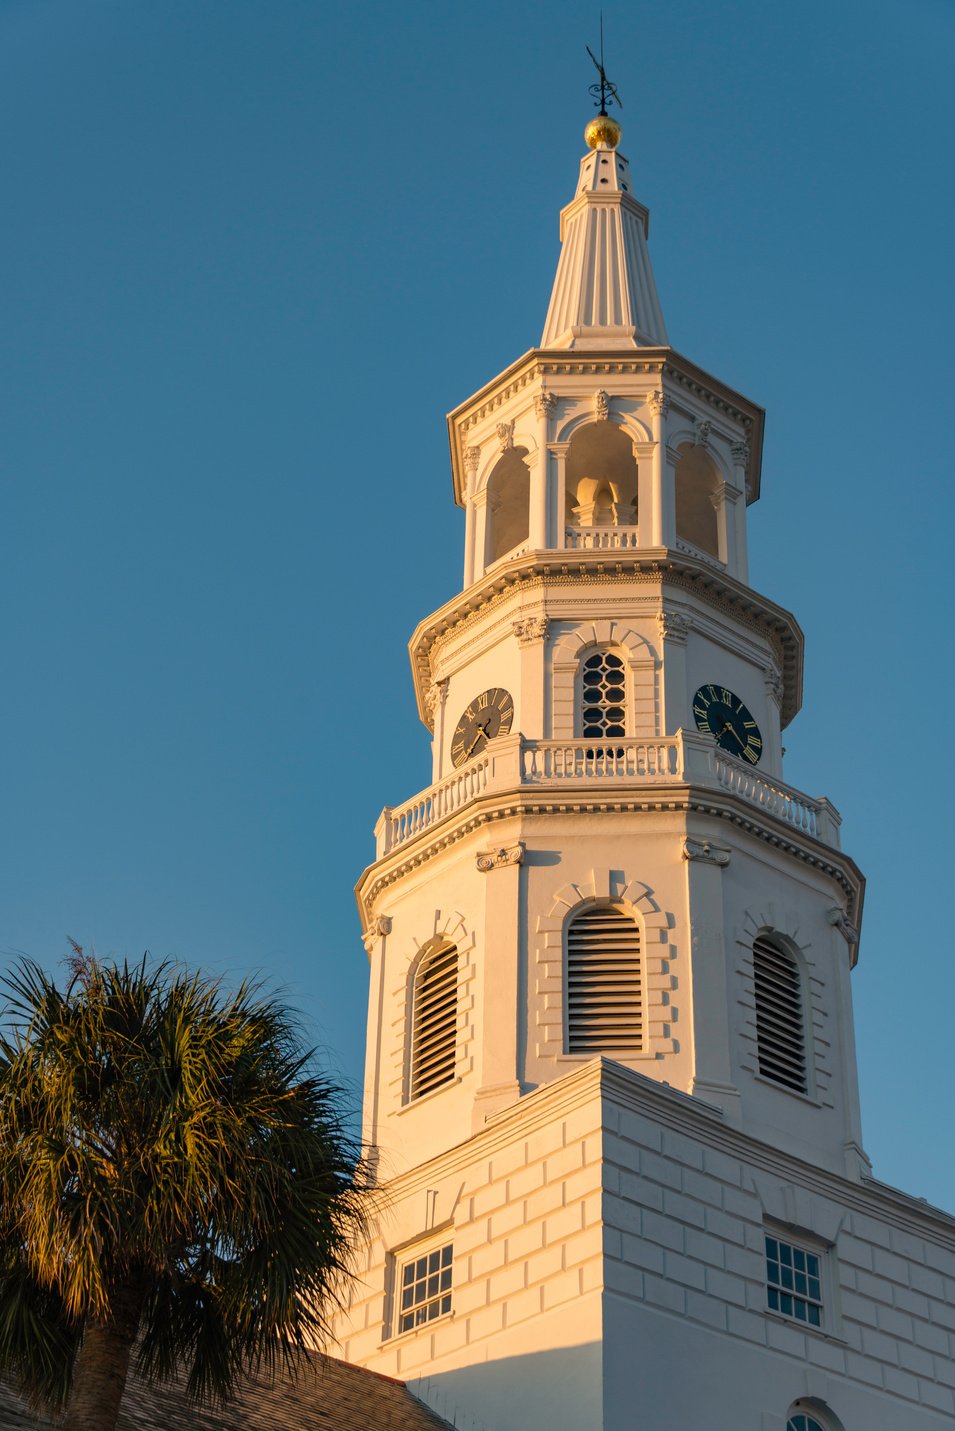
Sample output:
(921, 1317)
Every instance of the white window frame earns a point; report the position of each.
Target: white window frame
(777, 1291)
(407, 1258)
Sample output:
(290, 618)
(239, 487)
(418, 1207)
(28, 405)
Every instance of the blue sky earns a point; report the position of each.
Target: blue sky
(252, 252)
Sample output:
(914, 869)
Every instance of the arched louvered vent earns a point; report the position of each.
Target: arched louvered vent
(434, 1020)
(604, 994)
(779, 1018)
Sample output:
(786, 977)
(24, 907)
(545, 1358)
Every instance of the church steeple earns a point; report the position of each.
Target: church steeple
(604, 294)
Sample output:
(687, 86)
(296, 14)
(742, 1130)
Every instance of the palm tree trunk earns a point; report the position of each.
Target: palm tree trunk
(99, 1372)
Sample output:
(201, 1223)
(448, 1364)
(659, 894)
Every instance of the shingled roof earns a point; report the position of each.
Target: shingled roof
(333, 1396)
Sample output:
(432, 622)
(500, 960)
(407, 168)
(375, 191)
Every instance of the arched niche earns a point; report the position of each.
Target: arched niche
(508, 504)
(601, 477)
(698, 482)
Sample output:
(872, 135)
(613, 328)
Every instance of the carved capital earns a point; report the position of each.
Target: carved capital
(701, 432)
(706, 852)
(674, 625)
(435, 696)
(545, 404)
(378, 927)
(601, 405)
(500, 859)
(530, 629)
(472, 456)
(739, 451)
(774, 682)
(505, 435)
(658, 403)
(840, 920)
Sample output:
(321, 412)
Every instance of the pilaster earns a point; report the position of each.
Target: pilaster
(545, 405)
(374, 940)
(712, 1033)
(501, 995)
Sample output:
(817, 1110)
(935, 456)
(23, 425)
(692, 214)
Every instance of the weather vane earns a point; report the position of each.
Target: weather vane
(603, 91)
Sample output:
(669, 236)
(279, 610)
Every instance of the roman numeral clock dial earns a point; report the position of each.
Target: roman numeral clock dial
(488, 715)
(722, 714)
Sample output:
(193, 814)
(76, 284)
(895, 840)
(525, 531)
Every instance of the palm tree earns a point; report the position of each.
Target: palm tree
(175, 1184)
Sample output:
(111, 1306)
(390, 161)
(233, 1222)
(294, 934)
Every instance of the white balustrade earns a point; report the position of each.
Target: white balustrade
(406, 821)
(687, 756)
(780, 800)
(601, 538)
(546, 760)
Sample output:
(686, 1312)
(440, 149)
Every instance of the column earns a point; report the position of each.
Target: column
(558, 497)
(740, 454)
(644, 456)
(501, 1001)
(662, 510)
(545, 405)
(712, 1037)
(374, 941)
(472, 455)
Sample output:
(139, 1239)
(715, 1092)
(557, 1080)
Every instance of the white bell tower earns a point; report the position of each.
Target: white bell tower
(611, 1085)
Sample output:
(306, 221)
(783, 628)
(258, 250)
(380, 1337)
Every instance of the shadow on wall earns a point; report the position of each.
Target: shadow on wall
(560, 1389)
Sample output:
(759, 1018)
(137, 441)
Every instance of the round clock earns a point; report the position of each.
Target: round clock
(488, 715)
(720, 713)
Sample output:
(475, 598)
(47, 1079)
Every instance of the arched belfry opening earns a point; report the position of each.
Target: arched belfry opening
(698, 484)
(508, 504)
(601, 477)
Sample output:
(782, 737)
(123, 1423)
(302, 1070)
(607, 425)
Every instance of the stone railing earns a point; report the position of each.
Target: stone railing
(577, 539)
(687, 757)
(545, 760)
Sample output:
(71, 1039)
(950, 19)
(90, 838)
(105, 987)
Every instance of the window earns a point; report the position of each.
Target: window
(424, 1288)
(603, 696)
(802, 1422)
(794, 1283)
(434, 1014)
(780, 1038)
(604, 993)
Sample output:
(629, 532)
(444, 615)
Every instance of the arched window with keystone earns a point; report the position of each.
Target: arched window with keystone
(780, 1013)
(434, 1018)
(603, 695)
(604, 983)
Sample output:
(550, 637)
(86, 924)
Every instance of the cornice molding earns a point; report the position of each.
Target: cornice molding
(680, 797)
(537, 570)
(603, 1080)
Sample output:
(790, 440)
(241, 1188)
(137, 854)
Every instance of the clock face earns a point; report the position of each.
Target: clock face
(722, 714)
(488, 715)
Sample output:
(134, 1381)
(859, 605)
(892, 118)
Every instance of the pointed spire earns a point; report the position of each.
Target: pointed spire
(604, 293)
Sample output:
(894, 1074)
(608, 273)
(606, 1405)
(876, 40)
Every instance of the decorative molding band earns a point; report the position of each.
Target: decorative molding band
(378, 927)
(840, 920)
(601, 405)
(530, 629)
(500, 859)
(706, 852)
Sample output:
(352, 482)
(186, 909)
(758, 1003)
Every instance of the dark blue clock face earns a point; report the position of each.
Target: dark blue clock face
(723, 715)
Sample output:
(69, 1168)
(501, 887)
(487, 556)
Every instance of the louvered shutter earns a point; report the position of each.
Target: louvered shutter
(779, 1016)
(604, 995)
(434, 1021)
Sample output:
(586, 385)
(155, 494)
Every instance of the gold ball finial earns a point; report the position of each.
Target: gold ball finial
(602, 130)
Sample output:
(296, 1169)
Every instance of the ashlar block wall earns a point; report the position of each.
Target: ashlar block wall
(610, 1271)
